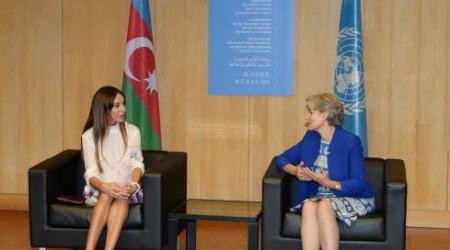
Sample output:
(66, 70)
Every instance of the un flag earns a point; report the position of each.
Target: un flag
(349, 74)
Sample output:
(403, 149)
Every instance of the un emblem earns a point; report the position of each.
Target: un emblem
(349, 75)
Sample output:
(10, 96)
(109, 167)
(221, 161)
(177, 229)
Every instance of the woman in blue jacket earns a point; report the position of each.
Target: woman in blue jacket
(330, 165)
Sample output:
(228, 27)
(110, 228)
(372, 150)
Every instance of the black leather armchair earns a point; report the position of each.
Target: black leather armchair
(54, 224)
(383, 230)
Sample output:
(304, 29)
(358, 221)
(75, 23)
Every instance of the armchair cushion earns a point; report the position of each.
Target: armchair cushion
(75, 216)
(366, 228)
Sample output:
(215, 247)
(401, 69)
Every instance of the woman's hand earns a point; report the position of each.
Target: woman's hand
(302, 172)
(132, 188)
(115, 190)
(322, 178)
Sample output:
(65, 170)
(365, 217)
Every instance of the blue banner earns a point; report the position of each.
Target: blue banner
(349, 74)
(251, 47)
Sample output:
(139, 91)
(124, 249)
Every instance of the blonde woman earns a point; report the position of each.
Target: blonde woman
(329, 164)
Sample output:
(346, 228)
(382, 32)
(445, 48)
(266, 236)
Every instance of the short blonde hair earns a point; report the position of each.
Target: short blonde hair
(327, 102)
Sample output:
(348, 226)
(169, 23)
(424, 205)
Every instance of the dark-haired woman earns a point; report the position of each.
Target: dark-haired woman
(114, 165)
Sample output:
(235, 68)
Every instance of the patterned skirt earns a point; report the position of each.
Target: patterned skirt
(91, 195)
(347, 208)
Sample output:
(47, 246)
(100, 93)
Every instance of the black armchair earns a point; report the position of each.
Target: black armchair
(54, 224)
(383, 230)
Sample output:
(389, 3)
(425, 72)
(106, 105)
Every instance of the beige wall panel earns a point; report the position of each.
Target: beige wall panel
(317, 30)
(431, 171)
(377, 36)
(30, 93)
(428, 218)
(447, 104)
(94, 47)
(404, 88)
(14, 201)
(172, 64)
(277, 122)
(175, 79)
(412, 50)
(212, 129)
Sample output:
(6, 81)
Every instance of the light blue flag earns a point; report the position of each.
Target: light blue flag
(349, 74)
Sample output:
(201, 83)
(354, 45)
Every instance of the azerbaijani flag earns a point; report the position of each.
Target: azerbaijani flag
(349, 75)
(139, 76)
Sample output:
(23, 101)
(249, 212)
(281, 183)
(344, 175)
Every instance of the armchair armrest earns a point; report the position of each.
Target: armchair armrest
(275, 185)
(164, 186)
(395, 206)
(46, 181)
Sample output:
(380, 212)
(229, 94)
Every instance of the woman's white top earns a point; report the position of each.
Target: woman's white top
(117, 165)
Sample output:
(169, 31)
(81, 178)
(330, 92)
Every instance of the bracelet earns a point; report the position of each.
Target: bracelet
(338, 186)
(136, 184)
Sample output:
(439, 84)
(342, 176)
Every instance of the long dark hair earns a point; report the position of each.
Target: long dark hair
(102, 103)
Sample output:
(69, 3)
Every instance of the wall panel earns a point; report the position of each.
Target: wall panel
(447, 104)
(378, 63)
(213, 129)
(93, 53)
(404, 87)
(30, 90)
(431, 106)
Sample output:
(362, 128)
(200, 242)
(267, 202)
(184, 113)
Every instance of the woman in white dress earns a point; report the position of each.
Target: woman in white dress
(114, 165)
